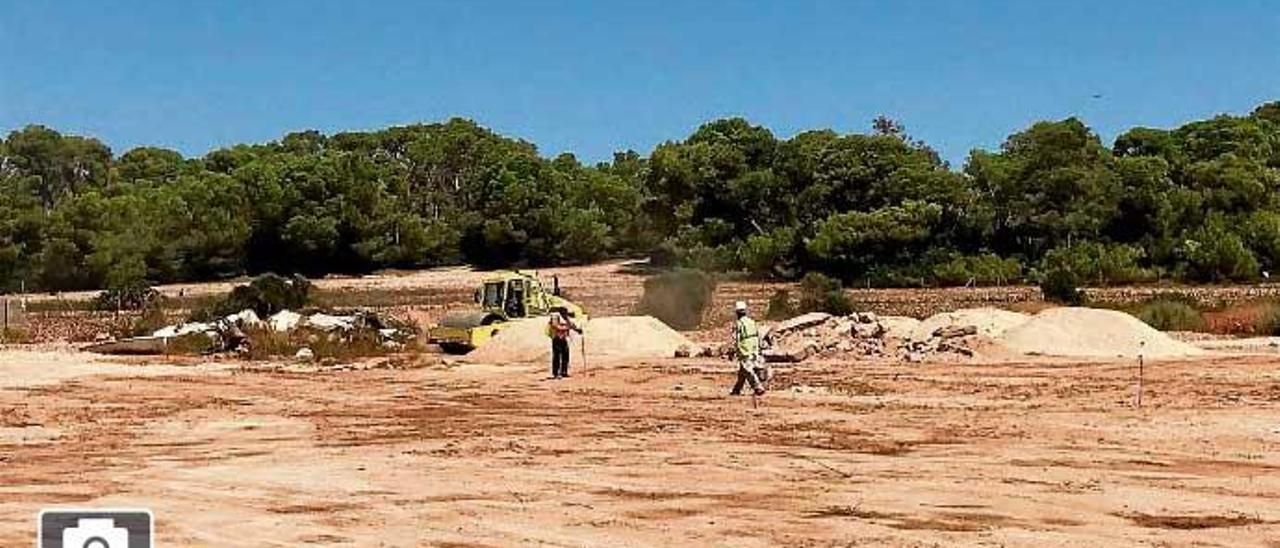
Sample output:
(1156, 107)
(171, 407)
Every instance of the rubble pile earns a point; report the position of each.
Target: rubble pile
(968, 333)
(821, 335)
(868, 335)
(228, 334)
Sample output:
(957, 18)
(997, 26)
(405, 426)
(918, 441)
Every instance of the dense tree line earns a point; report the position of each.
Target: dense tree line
(1195, 203)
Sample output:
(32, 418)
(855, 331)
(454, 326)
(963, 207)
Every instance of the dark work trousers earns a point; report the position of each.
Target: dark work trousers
(753, 371)
(559, 357)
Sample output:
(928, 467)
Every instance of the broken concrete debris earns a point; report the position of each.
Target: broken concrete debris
(803, 321)
(228, 333)
(284, 320)
(326, 322)
(691, 350)
(863, 334)
(966, 333)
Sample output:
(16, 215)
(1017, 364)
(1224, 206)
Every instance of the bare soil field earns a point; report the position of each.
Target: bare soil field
(421, 450)
(1027, 454)
(606, 289)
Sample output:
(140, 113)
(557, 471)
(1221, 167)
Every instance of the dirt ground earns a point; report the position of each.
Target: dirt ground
(607, 289)
(420, 450)
(840, 454)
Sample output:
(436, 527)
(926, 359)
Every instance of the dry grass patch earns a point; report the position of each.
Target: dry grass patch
(1190, 522)
(266, 344)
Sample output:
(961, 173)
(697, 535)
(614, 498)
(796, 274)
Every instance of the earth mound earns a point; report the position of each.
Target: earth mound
(613, 338)
(1091, 333)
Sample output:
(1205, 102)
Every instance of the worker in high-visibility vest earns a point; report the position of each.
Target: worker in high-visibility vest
(746, 345)
(558, 327)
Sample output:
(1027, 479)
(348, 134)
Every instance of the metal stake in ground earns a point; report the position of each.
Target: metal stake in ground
(582, 336)
(1138, 399)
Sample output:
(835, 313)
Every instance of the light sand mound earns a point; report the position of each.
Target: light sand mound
(519, 341)
(898, 327)
(615, 338)
(1090, 333)
(989, 322)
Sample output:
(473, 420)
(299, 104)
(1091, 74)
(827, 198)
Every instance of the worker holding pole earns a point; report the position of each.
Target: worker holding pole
(559, 326)
(746, 344)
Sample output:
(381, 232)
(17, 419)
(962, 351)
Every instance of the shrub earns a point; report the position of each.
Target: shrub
(1251, 317)
(822, 293)
(266, 295)
(15, 335)
(1099, 263)
(267, 344)
(986, 269)
(665, 255)
(767, 253)
(711, 258)
(1214, 254)
(780, 306)
(127, 297)
(190, 344)
(1268, 322)
(678, 298)
(1170, 315)
(151, 319)
(1061, 285)
(953, 272)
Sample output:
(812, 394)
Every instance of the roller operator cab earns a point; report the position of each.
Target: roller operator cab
(502, 297)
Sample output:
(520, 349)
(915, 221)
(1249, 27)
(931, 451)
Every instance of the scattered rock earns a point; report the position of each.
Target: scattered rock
(954, 348)
(692, 351)
(803, 321)
(866, 334)
(963, 334)
(988, 322)
(326, 322)
(245, 318)
(806, 389)
(786, 355)
(953, 331)
(868, 330)
(183, 329)
(284, 320)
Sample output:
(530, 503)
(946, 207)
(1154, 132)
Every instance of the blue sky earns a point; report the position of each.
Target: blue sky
(593, 77)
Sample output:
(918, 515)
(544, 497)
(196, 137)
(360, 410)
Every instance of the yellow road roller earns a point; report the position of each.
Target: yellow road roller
(502, 296)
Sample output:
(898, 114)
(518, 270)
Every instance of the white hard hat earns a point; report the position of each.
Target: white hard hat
(740, 306)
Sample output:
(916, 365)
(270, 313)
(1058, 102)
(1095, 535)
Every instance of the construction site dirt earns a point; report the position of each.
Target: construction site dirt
(421, 449)
(650, 453)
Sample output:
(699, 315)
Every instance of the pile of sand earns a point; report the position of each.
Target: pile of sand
(519, 341)
(608, 339)
(987, 322)
(899, 327)
(1091, 332)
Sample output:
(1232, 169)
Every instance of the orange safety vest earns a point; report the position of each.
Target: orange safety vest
(558, 327)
